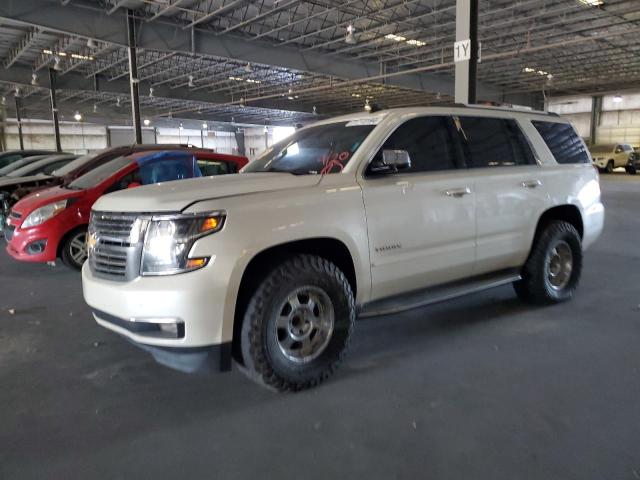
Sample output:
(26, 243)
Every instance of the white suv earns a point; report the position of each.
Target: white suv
(606, 157)
(360, 215)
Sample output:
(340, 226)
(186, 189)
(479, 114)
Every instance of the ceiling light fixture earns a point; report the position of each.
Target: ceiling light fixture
(146, 122)
(591, 3)
(247, 68)
(351, 37)
(191, 81)
(150, 92)
(3, 101)
(205, 126)
(91, 43)
(367, 106)
(181, 127)
(95, 107)
(534, 70)
(315, 110)
(617, 98)
(117, 101)
(34, 79)
(77, 116)
(56, 63)
(396, 38)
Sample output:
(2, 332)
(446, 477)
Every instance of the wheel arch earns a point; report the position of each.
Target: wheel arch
(65, 237)
(264, 261)
(568, 213)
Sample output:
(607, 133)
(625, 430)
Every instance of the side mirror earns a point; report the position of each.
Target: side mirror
(396, 159)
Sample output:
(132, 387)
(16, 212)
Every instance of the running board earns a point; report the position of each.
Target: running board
(427, 296)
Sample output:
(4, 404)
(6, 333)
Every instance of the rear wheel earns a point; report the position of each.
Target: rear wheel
(552, 271)
(609, 167)
(298, 323)
(631, 170)
(74, 248)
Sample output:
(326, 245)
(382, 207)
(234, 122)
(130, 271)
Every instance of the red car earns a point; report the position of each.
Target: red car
(53, 223)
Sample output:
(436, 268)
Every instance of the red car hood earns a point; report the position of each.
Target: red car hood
(39, 199)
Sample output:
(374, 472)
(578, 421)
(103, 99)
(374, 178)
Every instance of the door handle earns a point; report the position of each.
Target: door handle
(531, 183)
(457, 192)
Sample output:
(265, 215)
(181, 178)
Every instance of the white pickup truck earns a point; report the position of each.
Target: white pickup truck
(365, 214)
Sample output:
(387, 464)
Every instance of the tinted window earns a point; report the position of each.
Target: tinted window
(315, 150)
(213, 167)
(429, 143)
(9, 158)
(562, 140)
(493, 142)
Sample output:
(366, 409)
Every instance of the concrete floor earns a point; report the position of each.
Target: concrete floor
(482, 387)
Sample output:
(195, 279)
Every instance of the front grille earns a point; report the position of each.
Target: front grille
(117, 246)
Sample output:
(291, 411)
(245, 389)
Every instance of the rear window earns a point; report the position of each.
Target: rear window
(563, 141)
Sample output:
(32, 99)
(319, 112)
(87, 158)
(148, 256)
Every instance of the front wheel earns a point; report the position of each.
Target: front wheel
(74, 249)
(298, 323)
(552, 271)
(609, 167)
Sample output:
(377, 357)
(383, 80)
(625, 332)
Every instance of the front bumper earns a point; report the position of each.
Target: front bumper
(190, 301)
(601, 163)
(37, 244)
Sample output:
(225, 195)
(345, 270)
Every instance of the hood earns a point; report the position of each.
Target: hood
(39, 199)
(177, 195)
(11, 181)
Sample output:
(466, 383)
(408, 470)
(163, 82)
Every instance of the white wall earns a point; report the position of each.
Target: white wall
(221, 142)
(75, 137)
(619, 121)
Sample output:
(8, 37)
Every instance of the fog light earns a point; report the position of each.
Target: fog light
(37, 247)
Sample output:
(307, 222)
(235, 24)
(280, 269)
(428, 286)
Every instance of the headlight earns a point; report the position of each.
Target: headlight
(169, 239)
(42, 214)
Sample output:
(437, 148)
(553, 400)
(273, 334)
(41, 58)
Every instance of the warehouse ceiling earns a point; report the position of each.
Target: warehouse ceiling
(288, 61)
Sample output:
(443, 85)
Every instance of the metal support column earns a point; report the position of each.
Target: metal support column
(19, 120)
(596, 112)
(467, 56)
(133, 76)
(54, 108)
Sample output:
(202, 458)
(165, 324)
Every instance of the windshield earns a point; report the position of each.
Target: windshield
(602, 148)
(78, 162)
(19, 164)
(98, 175)
(315, 150)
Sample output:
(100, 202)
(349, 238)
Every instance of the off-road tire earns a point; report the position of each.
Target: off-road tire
(69, 246)
(535, 286)
(261, 353)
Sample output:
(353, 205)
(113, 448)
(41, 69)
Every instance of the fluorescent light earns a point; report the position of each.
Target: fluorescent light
(397, 38)
(591, 3)
(417, 43)
(535, 70)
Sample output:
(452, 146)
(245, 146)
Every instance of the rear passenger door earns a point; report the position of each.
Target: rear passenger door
(509, 188)
(420, 220)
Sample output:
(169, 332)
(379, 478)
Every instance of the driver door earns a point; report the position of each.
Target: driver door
(421, 221)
